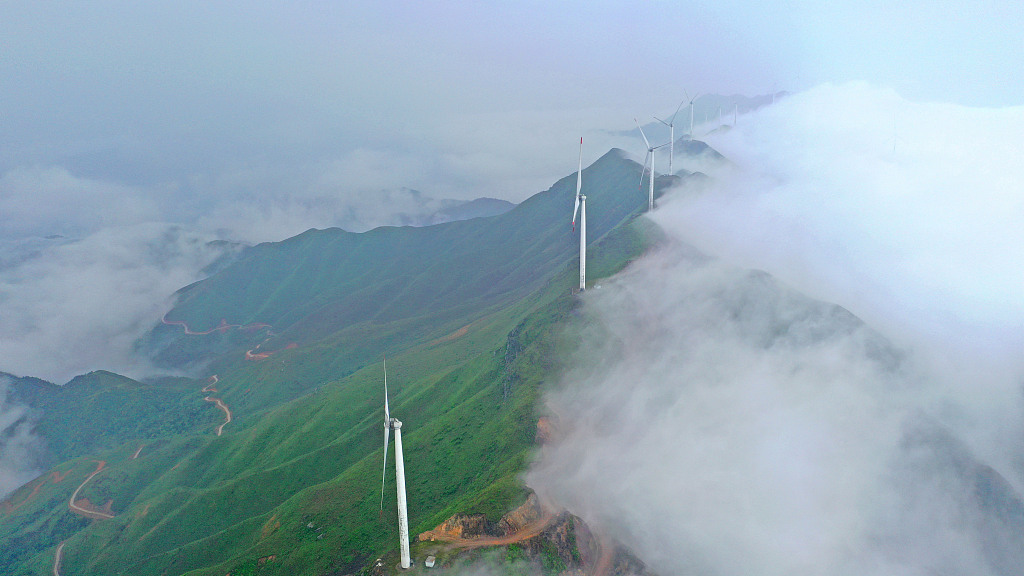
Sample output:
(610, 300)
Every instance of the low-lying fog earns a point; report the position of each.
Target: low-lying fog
(726, 413)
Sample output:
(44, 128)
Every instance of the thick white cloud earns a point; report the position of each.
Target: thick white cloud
(80, 305)
(51, 201)
(717, 421)
(20, 448)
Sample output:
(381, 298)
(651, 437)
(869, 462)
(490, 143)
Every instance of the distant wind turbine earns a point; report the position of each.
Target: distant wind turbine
(581, 205)
(672, 136)
(691, 111)
(650, 156)
(403, 513)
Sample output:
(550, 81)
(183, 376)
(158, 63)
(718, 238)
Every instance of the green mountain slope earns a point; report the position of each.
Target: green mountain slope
(466, 312)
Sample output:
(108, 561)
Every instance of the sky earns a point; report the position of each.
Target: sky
(818, 370)
(265, 106)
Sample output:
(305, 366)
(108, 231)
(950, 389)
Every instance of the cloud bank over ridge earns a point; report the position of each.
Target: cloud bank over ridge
(717, 420)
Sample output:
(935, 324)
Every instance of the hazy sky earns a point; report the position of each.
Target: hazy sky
(188, 106)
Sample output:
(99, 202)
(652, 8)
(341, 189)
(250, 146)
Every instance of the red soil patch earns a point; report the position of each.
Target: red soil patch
(525, 533)
(55, 477)
(8, 507)
(457, 334)
(270, 527)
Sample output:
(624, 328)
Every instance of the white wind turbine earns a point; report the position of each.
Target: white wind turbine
(403, 513)
(650, 156)
(581, 205)
(672, 136)
(691, 111)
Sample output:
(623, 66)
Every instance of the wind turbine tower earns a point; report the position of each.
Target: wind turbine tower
(581, 205)
(691, 111)
(403, 513)
(650, 156)
(672, 136)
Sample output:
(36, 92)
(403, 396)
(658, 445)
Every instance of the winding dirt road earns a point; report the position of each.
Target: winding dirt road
(56, 558)
(220, 403)
(75, 508)
(222, 327)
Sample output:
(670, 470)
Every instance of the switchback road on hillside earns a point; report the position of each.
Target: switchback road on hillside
(94, 514)
(222, 327)
(220, 403)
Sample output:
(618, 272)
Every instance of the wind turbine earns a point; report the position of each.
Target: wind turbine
(403, 513)
(672, 136)
(650, 155)
(691, 111)
(581, 205)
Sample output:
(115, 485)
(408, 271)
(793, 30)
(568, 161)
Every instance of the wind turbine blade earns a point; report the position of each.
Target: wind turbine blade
(642, 133)
(579, 186)
(662, 121)
(384, 472)
(387, 433)
(579, 172)
(642, 172)
(678, 108)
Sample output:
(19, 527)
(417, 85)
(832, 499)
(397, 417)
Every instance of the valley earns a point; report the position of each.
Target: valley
(468, 315)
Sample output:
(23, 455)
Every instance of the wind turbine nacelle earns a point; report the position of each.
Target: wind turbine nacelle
(396, 424)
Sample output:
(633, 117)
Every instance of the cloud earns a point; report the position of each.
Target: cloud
(718, 420)
(20, 448)
(50, 200)
(907, 214)
(79, 305)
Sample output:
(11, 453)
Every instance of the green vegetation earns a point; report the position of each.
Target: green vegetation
(467, 313)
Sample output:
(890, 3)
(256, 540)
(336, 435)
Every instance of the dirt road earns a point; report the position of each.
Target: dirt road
(222, 327)
(220, 403)
(227, 412)
(56, 559)
(95, 514)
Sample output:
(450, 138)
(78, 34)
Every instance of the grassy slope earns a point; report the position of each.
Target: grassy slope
(216, 504)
